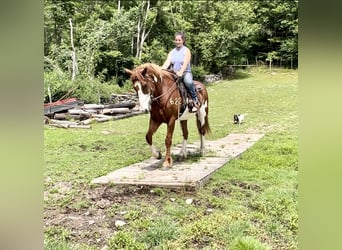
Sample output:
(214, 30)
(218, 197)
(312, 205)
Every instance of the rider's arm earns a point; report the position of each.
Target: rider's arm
(167, 61)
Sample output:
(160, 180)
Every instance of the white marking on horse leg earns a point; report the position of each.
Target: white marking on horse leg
(202, 144)
(183, 151)
(155, 152)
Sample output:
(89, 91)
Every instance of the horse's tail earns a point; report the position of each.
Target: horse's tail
(205, 129)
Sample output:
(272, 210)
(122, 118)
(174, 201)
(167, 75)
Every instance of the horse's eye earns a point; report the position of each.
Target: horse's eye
(144, 87)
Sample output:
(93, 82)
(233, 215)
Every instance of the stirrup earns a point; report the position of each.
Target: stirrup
(197, 105)
(193, 106)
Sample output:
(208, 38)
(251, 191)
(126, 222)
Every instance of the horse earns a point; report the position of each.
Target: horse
(159, 95)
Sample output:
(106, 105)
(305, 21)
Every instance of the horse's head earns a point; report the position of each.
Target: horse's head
(144, 79)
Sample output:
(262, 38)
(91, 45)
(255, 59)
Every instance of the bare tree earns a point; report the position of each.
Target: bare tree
(145, 19)
(73, 53)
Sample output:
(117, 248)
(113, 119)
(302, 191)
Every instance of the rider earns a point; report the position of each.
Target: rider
(179, 58)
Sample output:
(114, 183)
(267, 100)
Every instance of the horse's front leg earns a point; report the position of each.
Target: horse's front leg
(168, 142)
(151, 130)
(184, 125)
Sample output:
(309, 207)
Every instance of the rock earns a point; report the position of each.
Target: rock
(119, 223)
(213, 77)
(189, 201)
(209, 211)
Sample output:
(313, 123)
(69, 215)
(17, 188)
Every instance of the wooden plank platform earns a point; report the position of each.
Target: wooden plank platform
(183, 174)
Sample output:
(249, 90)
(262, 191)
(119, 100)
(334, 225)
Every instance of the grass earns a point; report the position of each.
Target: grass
(250, 203)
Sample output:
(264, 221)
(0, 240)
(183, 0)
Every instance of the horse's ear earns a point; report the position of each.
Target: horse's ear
(143, 72)
(128, 71)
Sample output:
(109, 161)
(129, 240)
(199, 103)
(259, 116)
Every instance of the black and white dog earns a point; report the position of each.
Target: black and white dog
(238, 118)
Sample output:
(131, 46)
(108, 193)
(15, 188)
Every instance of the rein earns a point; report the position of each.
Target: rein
(173, 87)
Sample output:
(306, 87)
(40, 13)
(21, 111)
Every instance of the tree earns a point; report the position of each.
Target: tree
(105, 36)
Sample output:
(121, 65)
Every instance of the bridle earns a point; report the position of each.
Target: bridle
(173, 87)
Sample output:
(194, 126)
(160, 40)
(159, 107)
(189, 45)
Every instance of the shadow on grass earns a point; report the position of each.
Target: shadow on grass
(238, 74)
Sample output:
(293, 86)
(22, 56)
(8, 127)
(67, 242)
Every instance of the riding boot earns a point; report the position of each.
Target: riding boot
(197, 104)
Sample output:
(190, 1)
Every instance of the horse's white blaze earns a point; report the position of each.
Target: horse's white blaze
(144, 99)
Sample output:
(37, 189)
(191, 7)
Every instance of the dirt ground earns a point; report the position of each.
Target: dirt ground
(92, 224)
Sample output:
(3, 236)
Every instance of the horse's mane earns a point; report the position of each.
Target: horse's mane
(156, 70)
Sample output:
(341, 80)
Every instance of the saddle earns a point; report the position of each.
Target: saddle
(183, 92)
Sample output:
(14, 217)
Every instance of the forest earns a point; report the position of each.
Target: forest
(87, 44)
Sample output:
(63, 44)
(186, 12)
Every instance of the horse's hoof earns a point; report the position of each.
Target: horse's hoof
(167, 163)
(181, 157)
(157, 155)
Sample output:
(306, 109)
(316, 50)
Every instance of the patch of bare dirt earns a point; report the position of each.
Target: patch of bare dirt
(94, 222)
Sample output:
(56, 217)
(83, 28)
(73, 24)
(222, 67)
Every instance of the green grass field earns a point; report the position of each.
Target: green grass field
(250, 203)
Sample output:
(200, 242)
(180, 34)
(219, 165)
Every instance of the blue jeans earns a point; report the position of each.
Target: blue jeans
(189, 84)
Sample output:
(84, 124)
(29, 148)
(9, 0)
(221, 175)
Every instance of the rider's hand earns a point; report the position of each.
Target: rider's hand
(179, 74)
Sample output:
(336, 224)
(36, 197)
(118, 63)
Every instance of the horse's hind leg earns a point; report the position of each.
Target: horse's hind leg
(184, 126)
(151, 130)
(200, 118)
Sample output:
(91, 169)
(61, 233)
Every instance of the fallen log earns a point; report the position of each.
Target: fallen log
(93, 106)
(104, 118)
(129, 105)
(63, 122)
(87, 121)
(117, 117)
(66, 116)
(81, 111)
(70, 126)
(115, 111)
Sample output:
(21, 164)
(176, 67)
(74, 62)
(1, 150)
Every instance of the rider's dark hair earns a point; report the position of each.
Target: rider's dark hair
(182, 34)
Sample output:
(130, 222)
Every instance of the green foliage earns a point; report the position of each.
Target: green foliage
(56, 84)
(219, 33)
(91, 91)
(158, 191)
(124, 240)
(248, 243)
(58, 232)
(160, 231)
(198, 72)
(50, 244)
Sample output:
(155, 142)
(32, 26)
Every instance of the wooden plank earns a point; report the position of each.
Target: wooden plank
(182, 174)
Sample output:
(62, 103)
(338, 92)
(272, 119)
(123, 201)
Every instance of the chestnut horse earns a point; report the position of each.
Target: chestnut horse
(159, 94)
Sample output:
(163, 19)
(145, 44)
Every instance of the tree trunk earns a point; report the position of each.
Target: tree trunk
(143, 36)
(73, 53)
(141, 29)
(138, 39)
